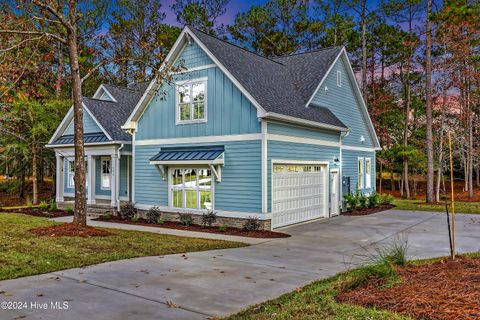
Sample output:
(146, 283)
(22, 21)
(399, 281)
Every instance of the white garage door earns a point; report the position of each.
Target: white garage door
(299, 193)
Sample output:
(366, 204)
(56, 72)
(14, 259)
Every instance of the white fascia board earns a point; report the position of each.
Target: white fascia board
(63, 125)
(96, 121)
(101, 88)
(281, 117)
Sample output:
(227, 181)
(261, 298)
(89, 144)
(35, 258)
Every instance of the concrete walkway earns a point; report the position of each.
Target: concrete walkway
(220, 282)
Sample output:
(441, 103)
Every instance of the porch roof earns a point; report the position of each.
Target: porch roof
(87, 138)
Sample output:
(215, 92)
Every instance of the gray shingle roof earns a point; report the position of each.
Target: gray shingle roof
(280, 85)
(112, 115)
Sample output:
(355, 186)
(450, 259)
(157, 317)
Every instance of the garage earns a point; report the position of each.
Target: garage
(299, 192)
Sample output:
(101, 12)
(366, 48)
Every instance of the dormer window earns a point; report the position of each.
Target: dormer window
(105, 97)
(192, 101)
(339, 78)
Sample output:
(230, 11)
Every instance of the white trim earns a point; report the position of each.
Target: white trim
(69, 195)
(90, 144)
(98, 123)
(205, 139)
(69, 168)
(324, 77)
(190, 83)
(362, 159)
(264, 127)
(282, 117)
(200, 68)
(294, 139)
(365, 149)
(133, 167)
(63, 125)
(198, 198)
(368, 176)
(97, 93)
(339, 185)
(287, 161)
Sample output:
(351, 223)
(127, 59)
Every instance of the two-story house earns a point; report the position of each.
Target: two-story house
(280, 138)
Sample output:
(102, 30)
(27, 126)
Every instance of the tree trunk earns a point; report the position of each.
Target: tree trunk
(477, 175)
(35, 174)
(392, 181)
(470, 143)
(58, 83)
(428, 91)
(80, 212)
(364, 49)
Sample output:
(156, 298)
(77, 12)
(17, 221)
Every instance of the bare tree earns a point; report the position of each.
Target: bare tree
(428, 92)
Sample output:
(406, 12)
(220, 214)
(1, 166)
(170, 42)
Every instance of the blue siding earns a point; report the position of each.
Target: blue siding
(239, 190)
(280, 150)
(302, 132)
(344, 104)
(123, 176)
(89, 125)
(350, 168)
(98, 179)
(228, 111)
(193, 56)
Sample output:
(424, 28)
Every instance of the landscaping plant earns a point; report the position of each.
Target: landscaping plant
(153, 215)
(127, 211)
(251, 224)
(44, 205)
(209, 218)
(373, 200)
(185, 219)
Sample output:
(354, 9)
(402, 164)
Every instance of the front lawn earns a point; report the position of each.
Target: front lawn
(420, 205)
(23, 253)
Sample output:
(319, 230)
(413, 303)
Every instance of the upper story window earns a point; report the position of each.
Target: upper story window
(339, 78)
(192, 101)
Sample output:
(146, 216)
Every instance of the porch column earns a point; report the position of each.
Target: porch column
(91, 179)
(113, 180)
(59, 179)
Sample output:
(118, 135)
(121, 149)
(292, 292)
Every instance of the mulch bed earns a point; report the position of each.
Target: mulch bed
(231, 231)
(69, 230)
(443, 290)
(367, 211)
(37, 212)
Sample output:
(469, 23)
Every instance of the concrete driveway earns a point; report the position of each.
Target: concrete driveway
(217, 283)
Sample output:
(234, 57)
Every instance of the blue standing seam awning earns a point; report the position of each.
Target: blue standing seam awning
(94, 137)
(189, 155)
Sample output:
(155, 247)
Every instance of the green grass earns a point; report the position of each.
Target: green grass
(460, 207)
(317, 301)
(23, 253)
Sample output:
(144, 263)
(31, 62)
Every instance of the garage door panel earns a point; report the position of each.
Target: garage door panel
(298, 193)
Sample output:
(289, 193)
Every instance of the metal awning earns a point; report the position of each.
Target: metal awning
(189, 155)
(87, 138)
(211, 156)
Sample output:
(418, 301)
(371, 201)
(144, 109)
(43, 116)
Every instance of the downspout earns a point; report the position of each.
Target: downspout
(118, 176)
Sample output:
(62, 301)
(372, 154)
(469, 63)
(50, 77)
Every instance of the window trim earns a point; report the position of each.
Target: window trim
(102, 174)
(368, 175)
(203, 80)
(170, 188)
(360, 173)
(339, 78)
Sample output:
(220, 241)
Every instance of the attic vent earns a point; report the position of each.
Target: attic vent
(105, 96)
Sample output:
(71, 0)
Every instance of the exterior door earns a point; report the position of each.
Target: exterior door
(334, 193)
(298, 193)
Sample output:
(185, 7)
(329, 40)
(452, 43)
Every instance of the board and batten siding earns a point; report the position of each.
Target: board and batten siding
(302, 132)
(344, 104)
(280, 150)
(192, 56)
(350, 168)
(228, 111)
(240, 189)
(89, 125)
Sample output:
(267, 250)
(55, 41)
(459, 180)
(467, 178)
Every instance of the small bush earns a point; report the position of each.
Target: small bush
(185, 219)
(209, 218)
(395, 252)
(373, 200)
(351, 201)
(386, 199)
(160, 220)
(52, 205)
(135, 218)
(222, 228)
(69, 210)
(153, 214)
(8, 185)
(362, 201)
(44, 205)
(251, 224)
(127, 211)
(108, 216)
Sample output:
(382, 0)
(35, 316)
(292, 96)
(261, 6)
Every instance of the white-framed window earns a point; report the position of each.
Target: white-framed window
(191, 188)
(192, 101)
(368, 173)
(106, 173)
(361, 173)
(339, 78)
(70, 174)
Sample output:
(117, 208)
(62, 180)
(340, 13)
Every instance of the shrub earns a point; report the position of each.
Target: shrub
(108, 216)
(394, 252)
(153, 214)
(222, 228)
(8, 185)
(160, 220)
(69, 210)
(251, 224)
(185, 219)
(209, 218)
(44, 205)
(373, 200)
(135, 218)
(386, 199)
(362, 201)
(127, 211)
(351, 201)
(52, 205)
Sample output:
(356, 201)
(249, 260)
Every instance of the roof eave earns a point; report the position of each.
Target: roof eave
(89, 144)
(310, 123)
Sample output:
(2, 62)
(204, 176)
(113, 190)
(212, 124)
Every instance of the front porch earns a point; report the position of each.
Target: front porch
(108, 177)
